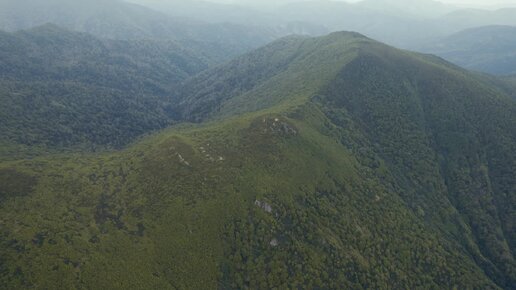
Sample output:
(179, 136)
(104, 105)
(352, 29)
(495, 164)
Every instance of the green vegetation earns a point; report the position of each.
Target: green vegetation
(63, 89)
(170, 206)
(408, 114)
(320, 163)
(49, 52)
(286, 72)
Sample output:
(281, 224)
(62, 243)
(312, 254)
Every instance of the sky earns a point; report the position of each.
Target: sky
(466, 3)
(481, 3)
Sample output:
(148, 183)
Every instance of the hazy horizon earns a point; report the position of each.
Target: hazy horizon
(459, 3)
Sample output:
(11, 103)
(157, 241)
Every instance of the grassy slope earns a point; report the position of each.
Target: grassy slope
(367, 174)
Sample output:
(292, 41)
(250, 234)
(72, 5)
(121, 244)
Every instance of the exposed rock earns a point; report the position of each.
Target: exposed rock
(263, 205)
(182, 160)
(279, 126)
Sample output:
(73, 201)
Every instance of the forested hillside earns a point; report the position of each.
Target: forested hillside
(407, 112)
(317, 163)
(61, 88)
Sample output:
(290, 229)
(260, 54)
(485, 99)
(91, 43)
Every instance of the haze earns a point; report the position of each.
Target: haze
(402, 23)
(461, 3)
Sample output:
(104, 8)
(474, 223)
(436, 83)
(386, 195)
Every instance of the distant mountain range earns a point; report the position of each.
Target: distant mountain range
(239, 28)
(407, 24)
(116, 19)
(490, 49)
(420, 9)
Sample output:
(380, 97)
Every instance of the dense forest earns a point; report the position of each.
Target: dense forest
(311, 163)
(61, 88)
(400, 105)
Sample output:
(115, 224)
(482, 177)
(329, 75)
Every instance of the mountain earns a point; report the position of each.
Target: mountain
(471, 18)
(49, 52)
(116, 19)
(407, 24)
(63, 88)
(334, 162)
(397, 28)
(218, 13)
(420, 8)
(490, 49)
(403, 23)
(211, 12)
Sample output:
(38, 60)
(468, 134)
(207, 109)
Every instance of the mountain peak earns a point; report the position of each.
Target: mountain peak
(294, 68)
(345, 34)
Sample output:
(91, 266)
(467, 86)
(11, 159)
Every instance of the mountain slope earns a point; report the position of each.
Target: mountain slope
(459, 130)
(63, 88)
(395, 92)
(371, 168)
(490, 49)
(282, 72)
(51, 53)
